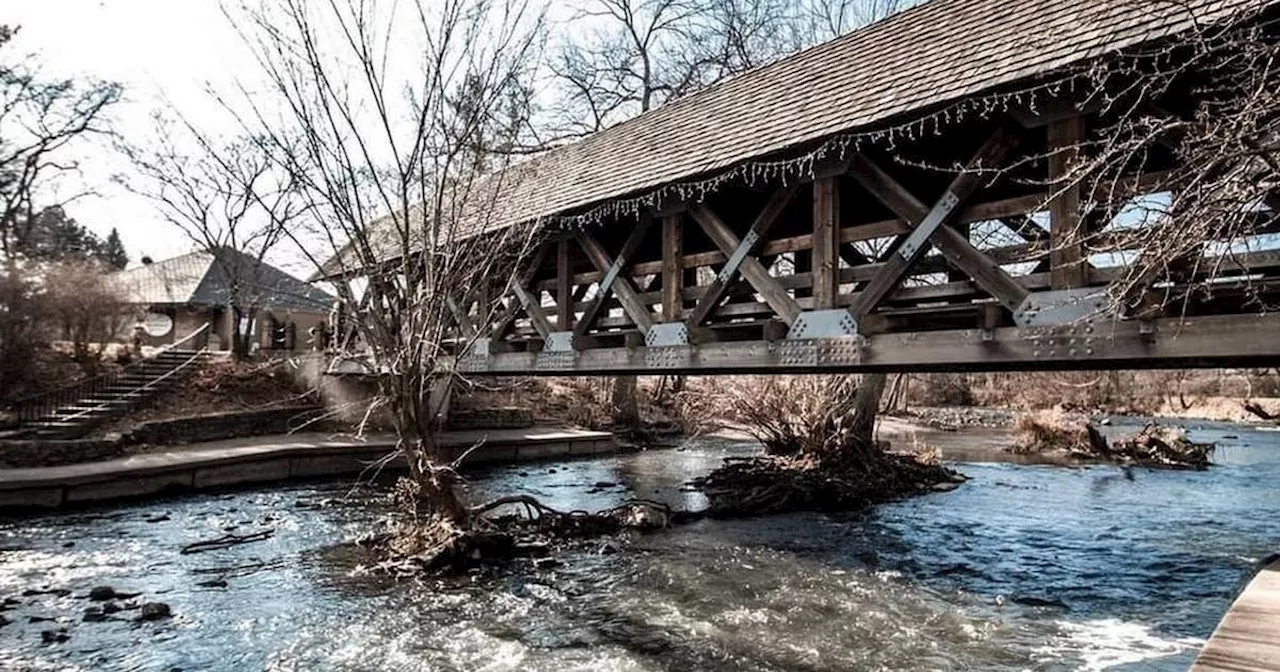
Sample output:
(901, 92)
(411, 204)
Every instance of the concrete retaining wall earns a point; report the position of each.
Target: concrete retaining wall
(204, 470)
(22, 454)
(218, 426)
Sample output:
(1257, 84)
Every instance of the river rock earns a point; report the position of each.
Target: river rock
(154, 611)
(111, 608)
(59, 592)
(54, 636)
(945, 486)
(94, 615)
(102, 593)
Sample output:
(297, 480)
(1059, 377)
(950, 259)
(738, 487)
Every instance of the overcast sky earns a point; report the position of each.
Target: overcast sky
(156, 49)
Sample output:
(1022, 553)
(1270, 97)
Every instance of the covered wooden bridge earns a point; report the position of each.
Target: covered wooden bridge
(900, 198)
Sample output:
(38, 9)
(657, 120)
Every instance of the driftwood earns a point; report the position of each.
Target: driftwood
(226, 541)
(1074, 436)
(1256, 409)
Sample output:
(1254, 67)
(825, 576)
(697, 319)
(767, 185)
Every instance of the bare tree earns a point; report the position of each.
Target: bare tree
(230, 198)
(40, 120)
(394, 124)
(1192, 235)
(827, 19)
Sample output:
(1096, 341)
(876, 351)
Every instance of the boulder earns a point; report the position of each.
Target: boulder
(154, 611)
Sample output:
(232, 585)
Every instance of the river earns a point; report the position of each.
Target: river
(1023, 567)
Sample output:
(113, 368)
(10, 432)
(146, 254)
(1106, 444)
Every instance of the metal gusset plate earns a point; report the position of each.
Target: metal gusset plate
(843, 351)
(669, 357)
(836, 323)
(559, 341)
(667, 334)
(1061, 306)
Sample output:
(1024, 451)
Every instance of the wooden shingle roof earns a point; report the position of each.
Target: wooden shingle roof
(937, 53)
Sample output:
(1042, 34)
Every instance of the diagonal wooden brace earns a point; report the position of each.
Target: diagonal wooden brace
(755, 273)
(728, 275)
(930, 226)
(513, 307)
(460, 316)
(533, 307)
(614, 280)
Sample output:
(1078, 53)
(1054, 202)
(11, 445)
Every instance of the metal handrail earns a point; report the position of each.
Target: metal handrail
(30, 409)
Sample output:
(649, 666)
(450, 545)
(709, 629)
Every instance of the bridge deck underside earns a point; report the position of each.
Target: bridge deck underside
(880, 263)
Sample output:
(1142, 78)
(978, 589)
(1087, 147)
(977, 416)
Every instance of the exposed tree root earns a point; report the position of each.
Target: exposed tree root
(511, 527)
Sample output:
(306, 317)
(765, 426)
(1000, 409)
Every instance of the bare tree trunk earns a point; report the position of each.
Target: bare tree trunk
(625, 401)
(865, 406)
(850, 439)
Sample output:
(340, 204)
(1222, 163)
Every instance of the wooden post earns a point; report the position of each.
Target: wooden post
(826, 242)
(672, 267)
(1067, 228)
(564, 287)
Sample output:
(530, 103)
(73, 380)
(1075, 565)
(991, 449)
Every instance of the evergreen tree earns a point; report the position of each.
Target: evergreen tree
(112, 252)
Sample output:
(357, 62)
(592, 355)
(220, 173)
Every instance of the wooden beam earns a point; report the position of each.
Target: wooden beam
(672, 267)
(614, 280)
(533, 307)
(741, 254)
(522, 279)
(826, 242)
(755, 272)
(1198, 341)
(1067, 230)
(1026, 227)
(931, 224)
(460, 316)
(564, 287)
(1273, 202)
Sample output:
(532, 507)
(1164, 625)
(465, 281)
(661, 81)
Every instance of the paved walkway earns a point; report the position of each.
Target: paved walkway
(266, 459)
(1248, 638)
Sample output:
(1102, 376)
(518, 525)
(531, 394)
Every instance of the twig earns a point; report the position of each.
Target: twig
(226, 541)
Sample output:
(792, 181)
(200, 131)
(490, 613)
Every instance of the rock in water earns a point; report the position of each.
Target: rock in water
(94, 615)
(154, 611)
(54, 636)
(102, 593)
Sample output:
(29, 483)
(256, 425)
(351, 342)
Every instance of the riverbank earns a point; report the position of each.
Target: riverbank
(260, 460)
(1021, 568)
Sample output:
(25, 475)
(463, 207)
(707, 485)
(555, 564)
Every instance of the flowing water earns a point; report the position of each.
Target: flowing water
(1023, 567)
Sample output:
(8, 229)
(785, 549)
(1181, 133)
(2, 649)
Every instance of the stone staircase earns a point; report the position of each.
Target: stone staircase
(75, 411)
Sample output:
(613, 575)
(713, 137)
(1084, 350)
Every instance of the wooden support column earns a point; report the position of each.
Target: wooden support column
(1067, 229)
(564, 287)
(672, 267)
(826, 242)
